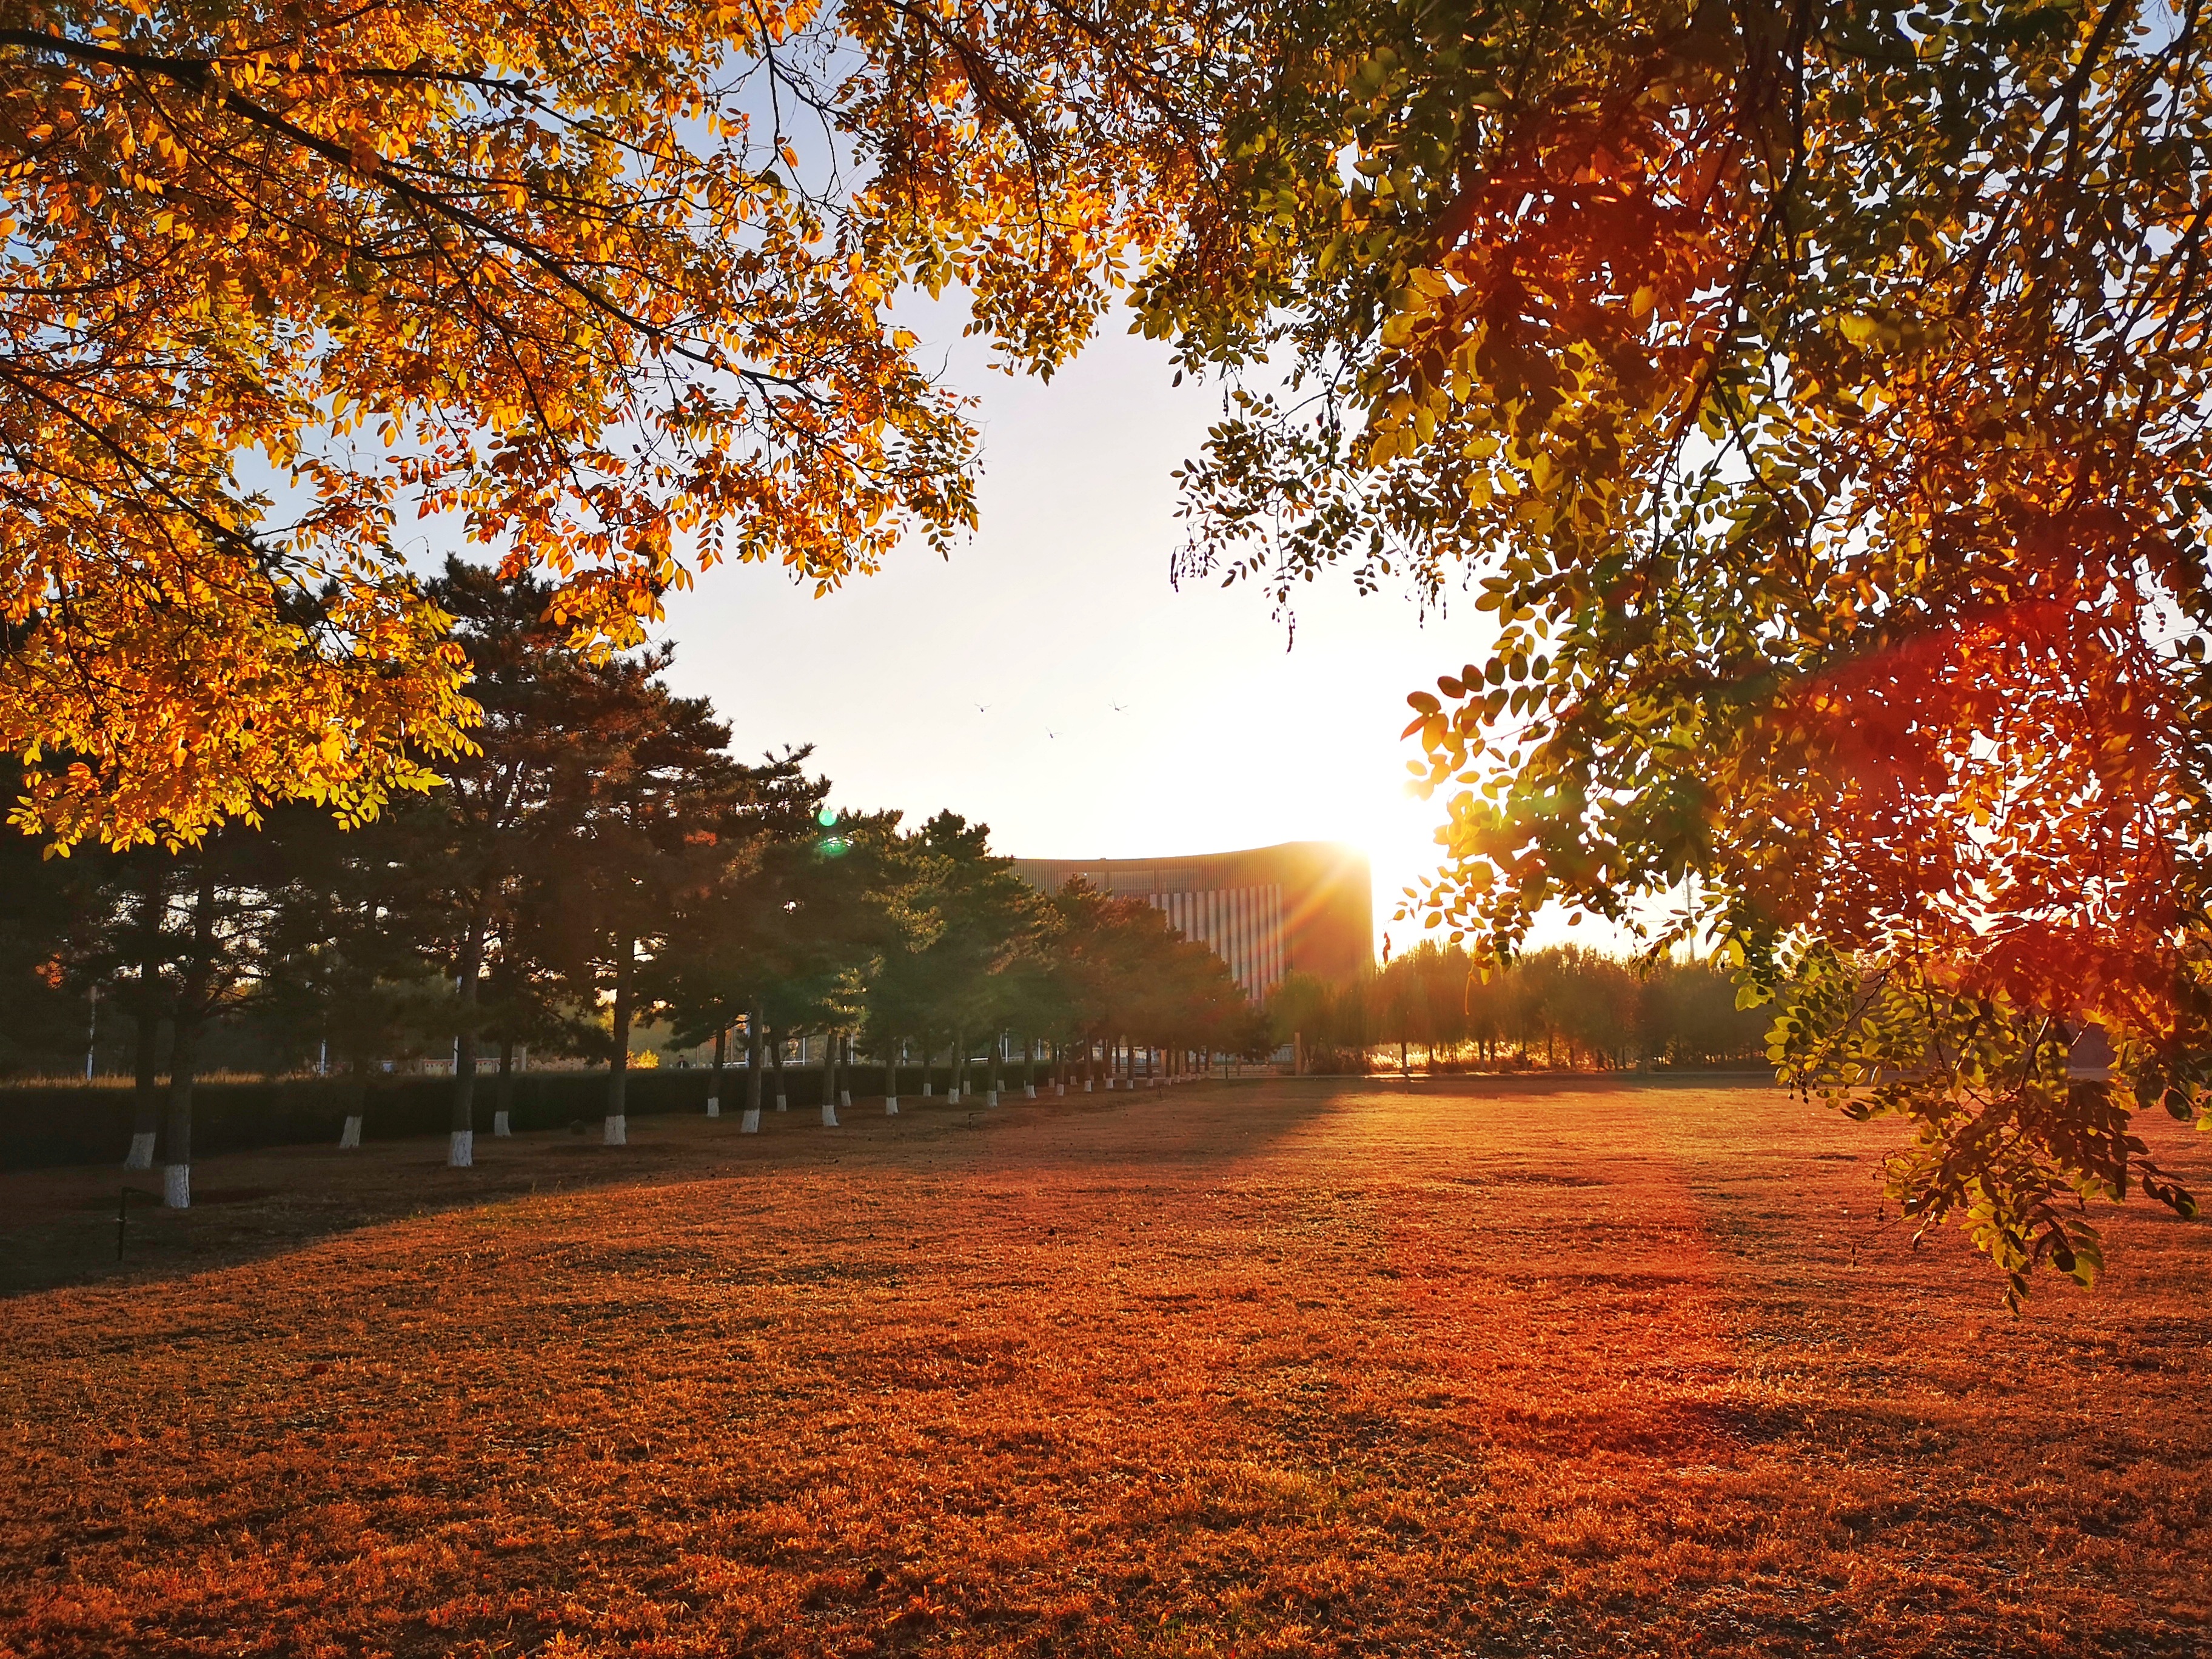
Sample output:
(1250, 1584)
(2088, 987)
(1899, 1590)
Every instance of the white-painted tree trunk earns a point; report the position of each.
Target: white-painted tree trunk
(461, 1149)
(713, 1107)
(845, 1098)
(783, 1104)
(177, 1186)
(1058, 1090)
(141, 1156)
(991, 1097)
(618, 1131)
(500, 1129)
(750, 1126)
(1029, 1091)
(350, 1135)
(925, 1086)
(1086, 1085)
(890, 1105)
(829, 1115)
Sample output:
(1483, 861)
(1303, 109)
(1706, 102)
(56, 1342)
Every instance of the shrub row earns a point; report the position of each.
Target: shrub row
(42, 1125)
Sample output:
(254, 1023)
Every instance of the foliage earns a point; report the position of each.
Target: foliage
(1813, 398)
(283, 274)
(601, 859)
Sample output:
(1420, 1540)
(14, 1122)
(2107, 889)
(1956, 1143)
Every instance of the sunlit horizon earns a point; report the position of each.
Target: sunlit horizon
(1047, 679)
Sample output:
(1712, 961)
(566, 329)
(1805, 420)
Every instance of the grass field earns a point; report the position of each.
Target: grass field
(1278, 1369)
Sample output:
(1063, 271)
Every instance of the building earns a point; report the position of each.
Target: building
(1306, 907)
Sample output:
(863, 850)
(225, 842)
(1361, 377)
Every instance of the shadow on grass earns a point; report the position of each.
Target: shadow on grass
(59, 1226)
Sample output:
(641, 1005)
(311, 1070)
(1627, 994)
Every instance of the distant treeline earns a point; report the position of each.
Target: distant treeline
(1562, 1007)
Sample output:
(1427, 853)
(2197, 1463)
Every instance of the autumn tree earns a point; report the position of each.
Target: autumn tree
(1811, 399)
(604, 287)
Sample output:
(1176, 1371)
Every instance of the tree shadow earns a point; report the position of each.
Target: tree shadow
(61, 1232)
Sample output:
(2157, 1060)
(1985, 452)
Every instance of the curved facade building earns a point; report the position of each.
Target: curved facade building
(1306, 907)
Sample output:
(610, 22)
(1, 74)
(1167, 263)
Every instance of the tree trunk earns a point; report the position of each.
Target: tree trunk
(775, 1040)
(714, 1088)
(617, 1125)
(957, 1084)
(502, 1121)
(184, 1051)
(991, 1077)
(461, 1132)
(751, 1124)
(145, 1099)
(928, 1057)
(829, 1040)
(891, 1076)
(177, 1170)
(1029, 1068)
(355, 1097)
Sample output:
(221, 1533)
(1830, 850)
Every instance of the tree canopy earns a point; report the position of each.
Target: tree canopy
(1814, 398)
(281, 276)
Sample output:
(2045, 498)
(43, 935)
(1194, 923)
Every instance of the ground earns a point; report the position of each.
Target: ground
(1271, 1368)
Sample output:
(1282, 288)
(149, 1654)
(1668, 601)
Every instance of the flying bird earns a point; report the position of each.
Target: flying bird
(982, 708)
(1120, 707)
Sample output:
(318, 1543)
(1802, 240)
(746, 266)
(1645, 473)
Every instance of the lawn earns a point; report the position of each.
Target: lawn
(1272, 1369)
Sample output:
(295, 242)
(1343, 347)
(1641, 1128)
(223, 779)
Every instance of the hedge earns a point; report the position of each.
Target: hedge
(42, 1125)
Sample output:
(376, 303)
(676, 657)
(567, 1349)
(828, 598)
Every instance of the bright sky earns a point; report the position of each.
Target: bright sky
(1050, 681)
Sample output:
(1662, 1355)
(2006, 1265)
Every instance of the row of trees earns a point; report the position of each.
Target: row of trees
(1564, 1006)
(599, 861)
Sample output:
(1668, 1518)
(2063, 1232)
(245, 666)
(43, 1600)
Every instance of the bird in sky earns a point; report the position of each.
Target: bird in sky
(1052, 734)
(982, 708)
(1120, 707)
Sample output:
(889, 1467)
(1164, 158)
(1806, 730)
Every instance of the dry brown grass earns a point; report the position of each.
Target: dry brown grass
(1275, 1370)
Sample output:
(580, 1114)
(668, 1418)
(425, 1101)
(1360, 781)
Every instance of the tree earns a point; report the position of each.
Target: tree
(788, 933)
(1811, 396)
(982, 912)
(220, 955)
(900, 994)
(650, 794)
(67, 936)
(280, 273)
(487, 827)
(720, 956)
(349, 936)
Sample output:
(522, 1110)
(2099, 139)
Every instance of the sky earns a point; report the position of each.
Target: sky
(1049, 680)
